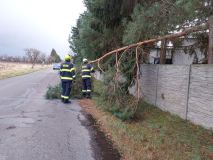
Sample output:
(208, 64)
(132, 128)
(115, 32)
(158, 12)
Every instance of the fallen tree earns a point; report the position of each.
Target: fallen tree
(167, 37)
(137, 77)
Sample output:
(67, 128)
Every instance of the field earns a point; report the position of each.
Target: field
(9, 69)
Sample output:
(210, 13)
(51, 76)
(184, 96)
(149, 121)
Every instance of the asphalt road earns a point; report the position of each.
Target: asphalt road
(32, 128)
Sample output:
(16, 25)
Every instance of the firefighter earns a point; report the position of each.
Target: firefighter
(67, 73)
(86, 71)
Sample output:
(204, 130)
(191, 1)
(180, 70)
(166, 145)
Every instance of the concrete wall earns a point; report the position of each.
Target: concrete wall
(200, 104)
(98, 76)
(186, 91)
(183, 90)
(149, 79)
(181, 58)
(179, 55)
(172, 89)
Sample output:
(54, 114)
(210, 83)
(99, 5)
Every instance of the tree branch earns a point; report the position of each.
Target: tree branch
(172, 36)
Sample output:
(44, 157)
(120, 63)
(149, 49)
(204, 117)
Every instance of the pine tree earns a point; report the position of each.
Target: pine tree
(55, 58)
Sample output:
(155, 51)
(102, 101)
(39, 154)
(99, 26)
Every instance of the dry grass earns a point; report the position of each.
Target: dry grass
(156, 135)
(15, 69)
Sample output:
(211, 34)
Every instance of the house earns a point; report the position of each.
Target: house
(186, 54)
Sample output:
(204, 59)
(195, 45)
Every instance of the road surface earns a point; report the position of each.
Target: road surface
(32, 128)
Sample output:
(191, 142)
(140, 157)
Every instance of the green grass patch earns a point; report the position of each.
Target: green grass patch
(155, 134)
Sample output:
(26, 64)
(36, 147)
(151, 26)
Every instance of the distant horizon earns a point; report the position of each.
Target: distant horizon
(20, 52)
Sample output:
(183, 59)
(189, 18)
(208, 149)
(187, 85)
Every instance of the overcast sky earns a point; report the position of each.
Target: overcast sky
(41, 24)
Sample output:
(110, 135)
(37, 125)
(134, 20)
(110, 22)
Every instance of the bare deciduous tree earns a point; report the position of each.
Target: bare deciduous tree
(42, 58)
(32, 55)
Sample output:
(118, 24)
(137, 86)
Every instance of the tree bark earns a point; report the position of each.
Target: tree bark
(210, 50)
(163, 52)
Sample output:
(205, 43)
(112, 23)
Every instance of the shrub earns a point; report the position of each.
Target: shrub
(53, 92)
(119, 104)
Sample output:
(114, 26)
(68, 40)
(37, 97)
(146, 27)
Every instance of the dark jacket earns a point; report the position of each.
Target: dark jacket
(67, 71)
(86, 70)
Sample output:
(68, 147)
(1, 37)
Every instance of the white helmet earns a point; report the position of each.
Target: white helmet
(85, 60)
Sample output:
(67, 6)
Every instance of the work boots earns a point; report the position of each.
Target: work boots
(88, 96)
(83, 95)
(67, 101)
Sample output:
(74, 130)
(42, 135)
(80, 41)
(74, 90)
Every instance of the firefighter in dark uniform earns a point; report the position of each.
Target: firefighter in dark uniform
(86, 71)
(67, 74)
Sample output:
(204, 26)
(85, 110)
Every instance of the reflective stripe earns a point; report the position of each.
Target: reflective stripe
(66, 78)
(72, 69)
(86, 76)
(65, 65)
(67, 70)
(65, 97)
(74, 76)
(84, 66)
(84, 90)
(92, 69)
(85, 70)
(89, 91)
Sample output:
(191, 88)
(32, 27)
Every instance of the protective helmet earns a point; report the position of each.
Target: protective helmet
(85, 60)
(67, 57)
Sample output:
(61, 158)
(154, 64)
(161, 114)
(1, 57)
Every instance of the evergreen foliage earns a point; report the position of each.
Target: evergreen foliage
(110, 24)
(164, 17)
(54, 57)
(53, 92)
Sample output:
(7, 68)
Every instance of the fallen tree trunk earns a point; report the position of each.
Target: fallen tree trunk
(172, 36)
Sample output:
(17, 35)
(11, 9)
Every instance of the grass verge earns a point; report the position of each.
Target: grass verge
(153, 135)
(8, 70)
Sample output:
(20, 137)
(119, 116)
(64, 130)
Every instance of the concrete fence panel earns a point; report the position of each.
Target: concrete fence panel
(200, 104)
(172, 89)
(98, 76)
(149, 83)
(183, 90)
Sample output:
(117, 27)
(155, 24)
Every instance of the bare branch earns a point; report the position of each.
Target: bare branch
(32, 55)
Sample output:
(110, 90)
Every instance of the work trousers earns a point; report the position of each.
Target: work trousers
(66, 89)
(86, 86)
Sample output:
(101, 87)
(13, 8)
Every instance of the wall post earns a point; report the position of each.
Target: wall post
(156, 92)
(188, 91)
